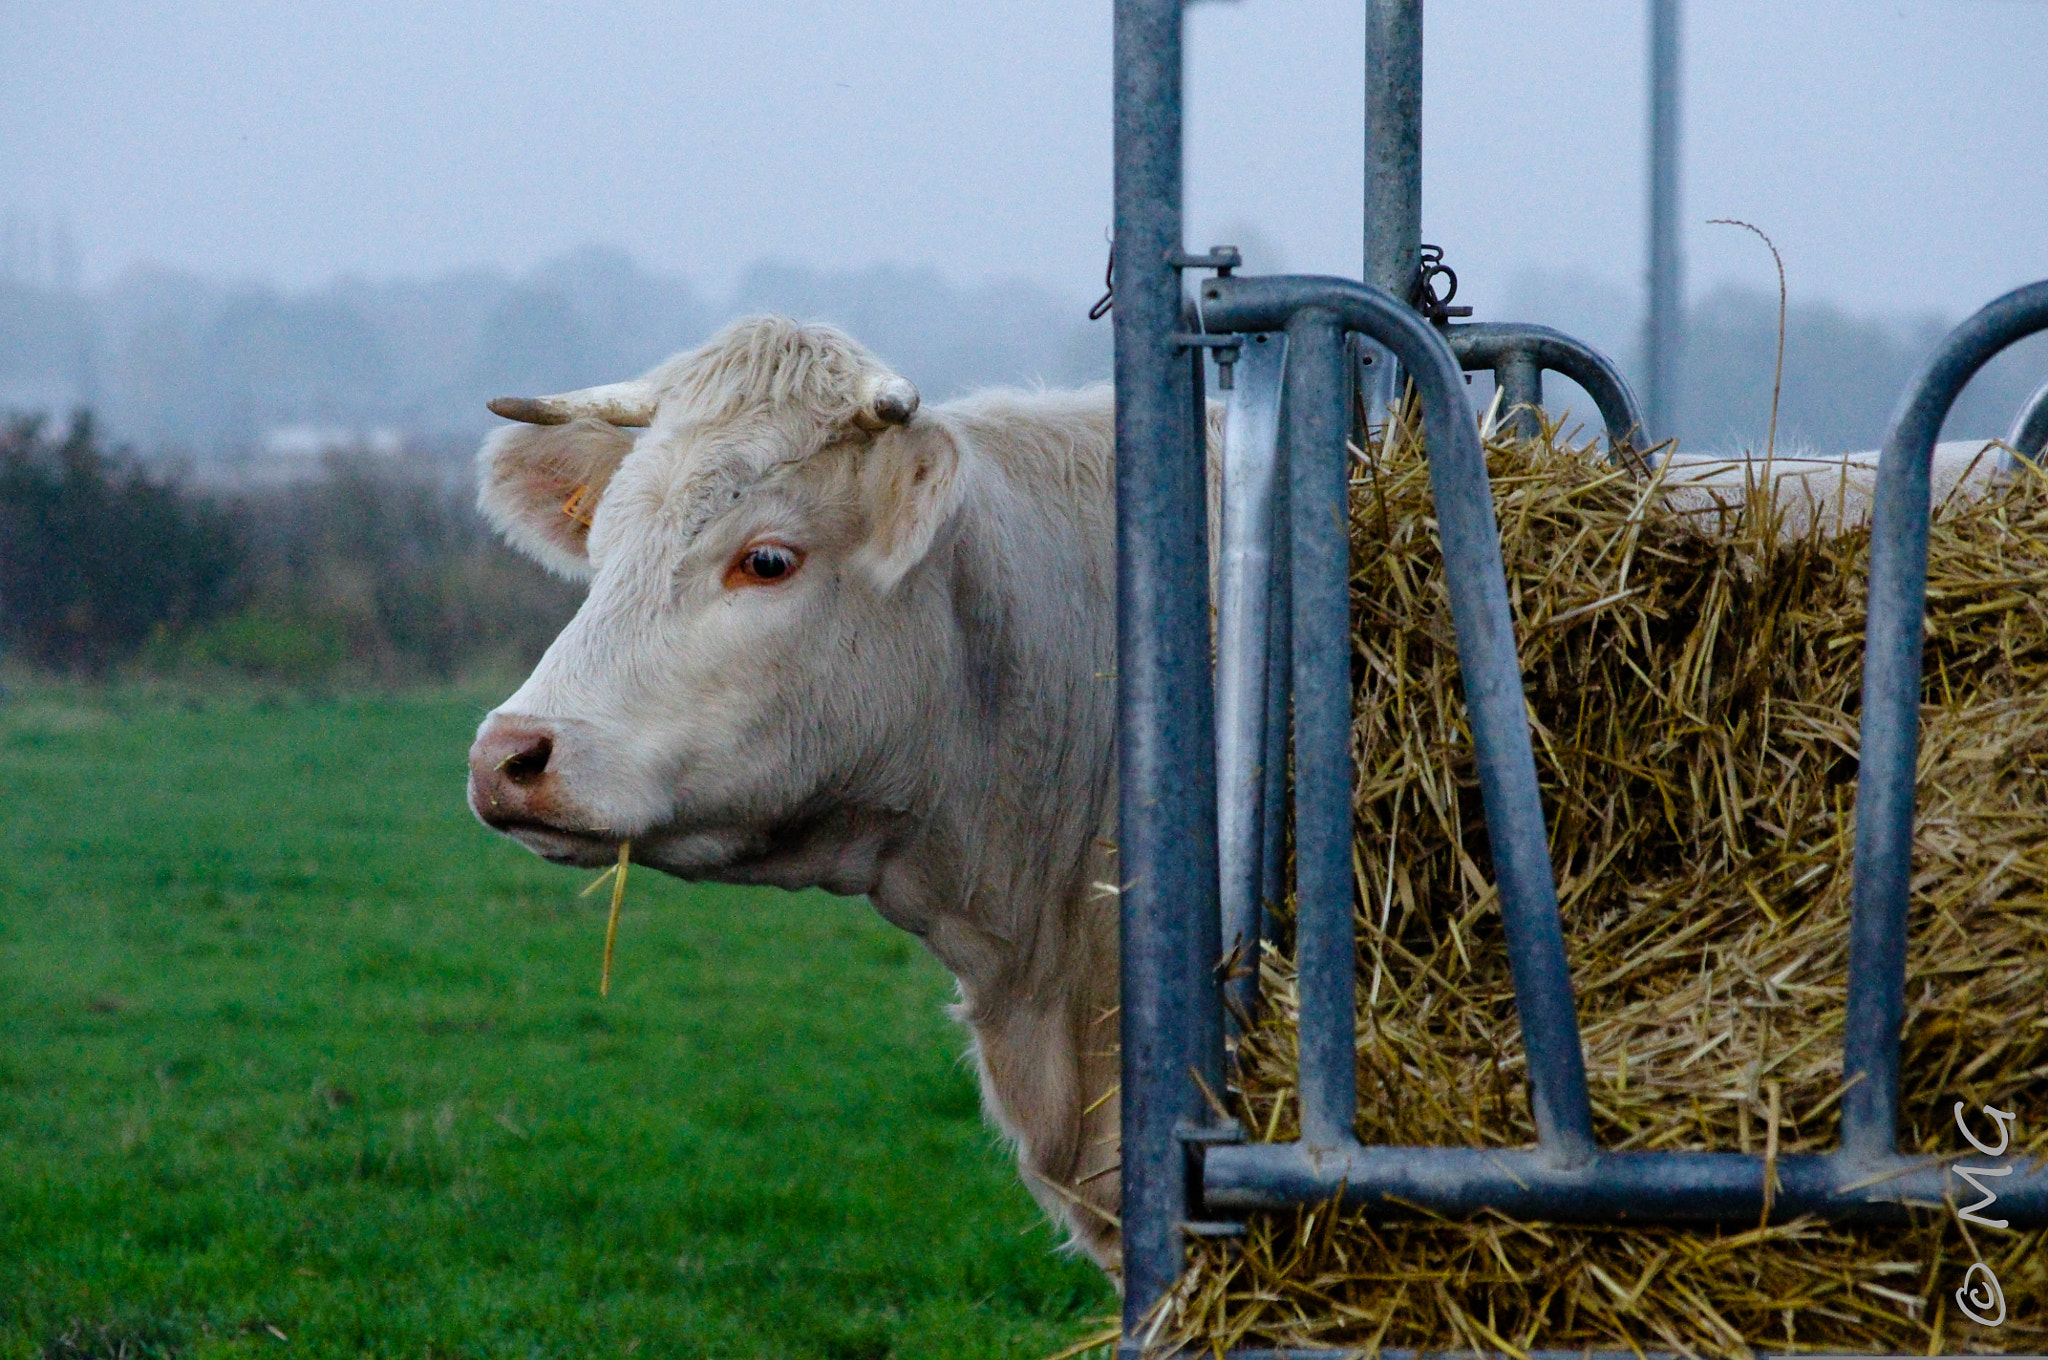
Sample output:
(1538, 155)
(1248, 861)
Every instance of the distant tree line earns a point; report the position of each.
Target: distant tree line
(1844, 371)
(187, 366)
(184, 364)
(1844, 375)
(373, 572)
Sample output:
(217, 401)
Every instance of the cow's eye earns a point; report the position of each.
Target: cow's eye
(763, 564)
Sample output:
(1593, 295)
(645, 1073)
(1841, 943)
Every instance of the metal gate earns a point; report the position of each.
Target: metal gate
(1283, 633)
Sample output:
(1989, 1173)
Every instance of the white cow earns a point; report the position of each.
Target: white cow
(1834, 492)
(832, 639)
(835, 640)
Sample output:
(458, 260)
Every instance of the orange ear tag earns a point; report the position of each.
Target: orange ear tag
(576, 506)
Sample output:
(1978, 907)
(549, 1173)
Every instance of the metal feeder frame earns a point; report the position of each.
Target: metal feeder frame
(1283, 633)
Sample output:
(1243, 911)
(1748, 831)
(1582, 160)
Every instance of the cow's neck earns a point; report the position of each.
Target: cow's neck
(1017, 788)
(1008, 876)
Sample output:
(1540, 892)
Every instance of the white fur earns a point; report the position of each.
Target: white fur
(1836, 492)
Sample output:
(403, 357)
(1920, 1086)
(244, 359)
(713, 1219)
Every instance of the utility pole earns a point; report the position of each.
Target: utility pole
(1664, 331)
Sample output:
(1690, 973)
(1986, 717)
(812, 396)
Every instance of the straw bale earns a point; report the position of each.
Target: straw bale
(1693, 676)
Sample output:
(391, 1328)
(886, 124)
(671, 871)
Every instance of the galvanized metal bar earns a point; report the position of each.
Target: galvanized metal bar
(1203, 937)
(1393, 169)
(1393, 143)
(1167, 741)
(1487, 345)
(1244, 594)
(1520, 379)
(1318, 422)
(1664, 330)
(1890, 733)
(1488, 666)
(2028, 435)
(1613, 1187)
(1279, 703)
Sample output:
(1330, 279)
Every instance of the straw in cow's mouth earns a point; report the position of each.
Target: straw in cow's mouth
(617, 876)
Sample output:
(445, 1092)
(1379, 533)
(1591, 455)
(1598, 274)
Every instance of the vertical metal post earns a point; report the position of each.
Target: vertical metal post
(1167, 774)
(1664, 329)
(1318, 417)
(1520, 378)
(1393, 172)
(1393, 143)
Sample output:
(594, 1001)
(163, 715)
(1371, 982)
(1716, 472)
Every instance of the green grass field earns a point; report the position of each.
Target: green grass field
(296, 1059)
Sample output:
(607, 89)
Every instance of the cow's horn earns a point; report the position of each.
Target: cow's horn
(890, 401)
(622, 403)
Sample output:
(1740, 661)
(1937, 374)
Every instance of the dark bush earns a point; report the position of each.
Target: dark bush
(380, 570)
(376, 570)
(96, 554)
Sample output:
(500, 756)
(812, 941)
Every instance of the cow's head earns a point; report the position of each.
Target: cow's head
(746, 689)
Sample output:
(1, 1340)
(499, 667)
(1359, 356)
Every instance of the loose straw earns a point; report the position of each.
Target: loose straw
(1693, 676)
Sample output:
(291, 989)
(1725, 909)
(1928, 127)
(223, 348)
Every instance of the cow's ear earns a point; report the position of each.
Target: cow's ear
(912, 487)
(540, 484)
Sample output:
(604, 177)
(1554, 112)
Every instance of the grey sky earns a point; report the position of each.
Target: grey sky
(1897, 151)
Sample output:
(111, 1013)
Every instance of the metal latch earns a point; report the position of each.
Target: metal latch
(1193, 1135)
(1226, 348)
(1222, 259)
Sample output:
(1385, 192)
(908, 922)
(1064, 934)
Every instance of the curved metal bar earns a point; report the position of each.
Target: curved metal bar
(1244, 597)
(1890, 736)
(2029, 433)
(1501, 346)
(1488, 664)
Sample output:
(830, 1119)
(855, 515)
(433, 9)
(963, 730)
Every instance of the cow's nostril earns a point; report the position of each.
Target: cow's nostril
(528, 763)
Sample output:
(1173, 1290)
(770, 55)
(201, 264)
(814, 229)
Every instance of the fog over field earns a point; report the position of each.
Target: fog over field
(241, 229)
(182, 364)
(243, 381)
